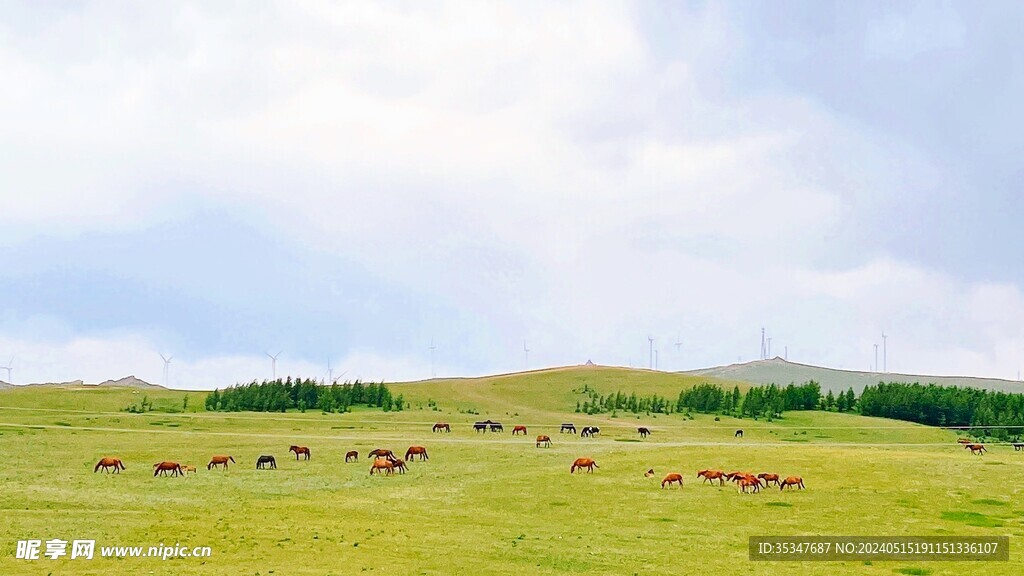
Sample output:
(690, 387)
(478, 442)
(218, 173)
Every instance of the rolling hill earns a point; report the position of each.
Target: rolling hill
(779, 371)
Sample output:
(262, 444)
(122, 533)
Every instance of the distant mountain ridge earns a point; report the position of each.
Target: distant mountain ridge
(126, 382)
(782, 372)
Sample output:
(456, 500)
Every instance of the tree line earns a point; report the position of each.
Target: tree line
(303, 394)
(946, 406)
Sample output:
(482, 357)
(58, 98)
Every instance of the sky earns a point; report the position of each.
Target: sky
(403, 190)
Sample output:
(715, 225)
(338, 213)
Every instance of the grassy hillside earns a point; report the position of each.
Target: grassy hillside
(779, 371)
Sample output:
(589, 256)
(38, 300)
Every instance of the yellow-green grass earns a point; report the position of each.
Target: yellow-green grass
(483, 503)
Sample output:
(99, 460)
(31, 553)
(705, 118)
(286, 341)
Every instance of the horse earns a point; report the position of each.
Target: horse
(262, 462)
(738, 434)
(644, 432)
(351, 455)
(649, 473)
(792, 481)
(769, 478)
(963, 440)
(162, 468)
(399, 465)
(414, 450)
(382, 453)
(671, 478)
(219, 461)
(589, 431)
(496, 427)
(567, 428)
(519, 429)
(582, 463)
(441, 426)
(382, 465)
(712, 475)
(749, 482)
(731, 476)
(545, 440)
(1017, 446)
(300, 450)
(109, 462)
(186, 469)
(479, 427)
(976, 449)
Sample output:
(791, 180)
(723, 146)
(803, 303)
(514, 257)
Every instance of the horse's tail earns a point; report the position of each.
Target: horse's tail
(121, 464)
(210, 464)
(97, 466)
(231, 458)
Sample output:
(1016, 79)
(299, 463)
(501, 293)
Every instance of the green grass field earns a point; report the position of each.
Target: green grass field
(482, 504)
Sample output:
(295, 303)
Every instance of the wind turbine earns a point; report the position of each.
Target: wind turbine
(526, 351)
(876, 357)
(273, 362)
(679, 343)
(885, 356)
(650, 342)
(433, 374)
(655, 359)
(330, 373)
(167, 367)
(9, 368)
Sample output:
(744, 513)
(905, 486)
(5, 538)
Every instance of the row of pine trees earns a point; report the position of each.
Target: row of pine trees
(303, 394)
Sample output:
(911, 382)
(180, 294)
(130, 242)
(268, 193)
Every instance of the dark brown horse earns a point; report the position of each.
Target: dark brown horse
(263, 461)
(791, 481)
(644, 432)
(414, 450)
(382, 466)
(442, 427)
(769, 478)
(109, 462)
(711, 476)
(1017, 446)
(304, 450)
(567, 427)
(672, 478)
(518, 429)
(543, 440)
(219, 461)
(582, 463)
(382, 453)
(162, 468)
(978, 449)
(738, 434)
(351, 455)
(399, 465)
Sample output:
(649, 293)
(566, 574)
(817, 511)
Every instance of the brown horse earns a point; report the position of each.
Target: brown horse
(978, 449)
(518, 429)
(414, 450)
(382, 453)
(644, 432)
(300, 450)
(1017, 446)
(162, 468)
(732, 476)
(399, 465)
(545, 440)
(769, 478)
(382, 465)
(186, 469)
(673, 477)
(749, 482)
(582, 463)
(109, 462)
(219, 461)
(711, 476)
(351, 455)
(792, 481)
(963, 440)
(442, 427)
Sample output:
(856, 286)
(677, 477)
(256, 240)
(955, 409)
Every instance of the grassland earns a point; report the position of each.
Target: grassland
(482, 504)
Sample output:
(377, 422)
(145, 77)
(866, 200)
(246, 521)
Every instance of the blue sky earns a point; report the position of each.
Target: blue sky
(350, 182)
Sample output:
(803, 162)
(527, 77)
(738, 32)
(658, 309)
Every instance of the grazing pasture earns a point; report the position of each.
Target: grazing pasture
(483, 503)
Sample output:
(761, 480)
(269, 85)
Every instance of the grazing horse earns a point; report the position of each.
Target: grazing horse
(162, 468)
(792, 481)
(496, 427)
(976, 449)
(649, 473)
(382, 465)
(109, 462)
(769, 478)
(264, 460)
(399, 465)
(1017, 446)
(519, 429)
(644, 432)
(963, 440)
(382, 453)
(749, 482)
(582, 463)
(673, 477)
(545, 440)
(732, 476)
(219, 461)
(441, 426)
(414, 450)
(738, 434)
(589, 431)
(480, 426)
(712, 475)
(300, 450)
(567, 428)
(351, 455)
(186, 469)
